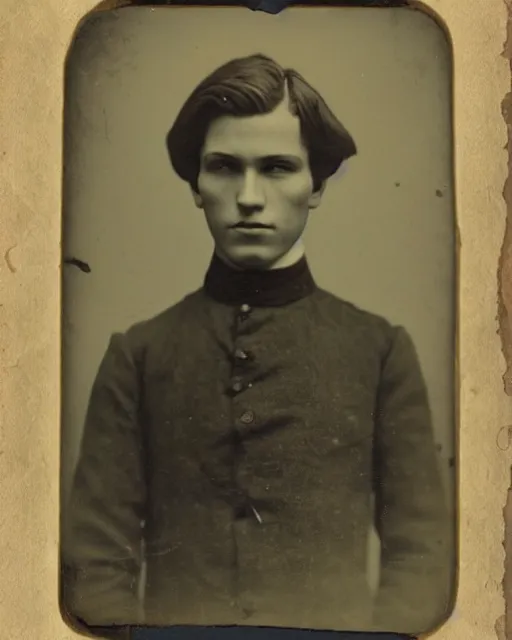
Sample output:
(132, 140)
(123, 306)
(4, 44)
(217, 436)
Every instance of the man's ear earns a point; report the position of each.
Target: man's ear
(316, 196)
(197, 198)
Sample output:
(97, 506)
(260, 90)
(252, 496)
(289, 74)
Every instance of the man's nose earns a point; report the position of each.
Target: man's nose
(251, 197)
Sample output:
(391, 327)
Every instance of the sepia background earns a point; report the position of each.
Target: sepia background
(384, 237)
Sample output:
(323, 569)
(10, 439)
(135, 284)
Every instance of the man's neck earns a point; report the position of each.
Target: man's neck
(258, 287)
(296, 254)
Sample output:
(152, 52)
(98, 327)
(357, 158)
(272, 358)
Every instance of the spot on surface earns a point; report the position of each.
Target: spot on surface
(83, 266)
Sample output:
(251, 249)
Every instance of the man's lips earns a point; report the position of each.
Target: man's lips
(252, 225)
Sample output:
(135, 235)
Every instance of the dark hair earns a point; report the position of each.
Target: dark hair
(254, 85)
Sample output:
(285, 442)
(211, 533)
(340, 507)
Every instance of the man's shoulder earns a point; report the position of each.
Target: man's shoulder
(366, 330)
(149, 330)
(346, 313)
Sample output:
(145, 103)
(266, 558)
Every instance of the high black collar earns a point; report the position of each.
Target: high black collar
(263, 288)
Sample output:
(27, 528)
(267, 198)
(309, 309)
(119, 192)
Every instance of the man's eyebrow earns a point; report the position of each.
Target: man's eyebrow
(279, 157)
(219, 154)
(275, 157)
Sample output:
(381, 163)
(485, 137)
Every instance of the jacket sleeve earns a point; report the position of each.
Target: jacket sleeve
(102, 521)
(412, 519)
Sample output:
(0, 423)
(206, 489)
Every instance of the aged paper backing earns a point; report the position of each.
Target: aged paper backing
(34, 40)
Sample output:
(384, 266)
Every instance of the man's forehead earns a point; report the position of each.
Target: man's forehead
(275, 133)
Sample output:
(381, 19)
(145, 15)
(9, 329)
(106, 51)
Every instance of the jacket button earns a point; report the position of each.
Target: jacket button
(245, 310)
(240, 354)
(237, 386)
(247, 417)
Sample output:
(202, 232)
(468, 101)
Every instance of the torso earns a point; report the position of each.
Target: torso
(260, 495)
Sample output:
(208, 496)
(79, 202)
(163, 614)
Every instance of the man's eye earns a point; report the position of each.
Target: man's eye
(221, 166)
(278, 168)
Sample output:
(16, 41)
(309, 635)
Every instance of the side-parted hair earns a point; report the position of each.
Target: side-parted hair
(255, 85)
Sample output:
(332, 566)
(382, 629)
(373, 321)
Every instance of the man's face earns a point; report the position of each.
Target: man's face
(256, 189)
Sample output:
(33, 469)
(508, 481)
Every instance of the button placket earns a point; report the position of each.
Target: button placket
(241, 358)
(243, 416)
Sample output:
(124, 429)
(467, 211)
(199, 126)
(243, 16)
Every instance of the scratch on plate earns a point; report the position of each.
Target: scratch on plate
(106, 125)
(83, 266)
(504, 438)
(8, 261)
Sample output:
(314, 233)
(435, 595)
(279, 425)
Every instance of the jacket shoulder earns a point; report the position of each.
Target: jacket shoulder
(348, 313)
(143, 334)
(366, 328)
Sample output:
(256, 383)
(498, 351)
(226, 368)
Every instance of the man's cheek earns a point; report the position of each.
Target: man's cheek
(296, 193)
(215, 200)
(219, 195)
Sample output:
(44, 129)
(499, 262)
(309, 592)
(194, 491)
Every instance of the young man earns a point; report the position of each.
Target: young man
(239, 436)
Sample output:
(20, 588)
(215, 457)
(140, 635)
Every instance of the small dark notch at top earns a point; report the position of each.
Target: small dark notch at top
(276, 6)
(268, 6)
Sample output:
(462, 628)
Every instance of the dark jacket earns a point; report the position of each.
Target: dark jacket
(241, 435)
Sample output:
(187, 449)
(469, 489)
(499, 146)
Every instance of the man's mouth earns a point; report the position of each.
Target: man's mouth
(252, 225)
